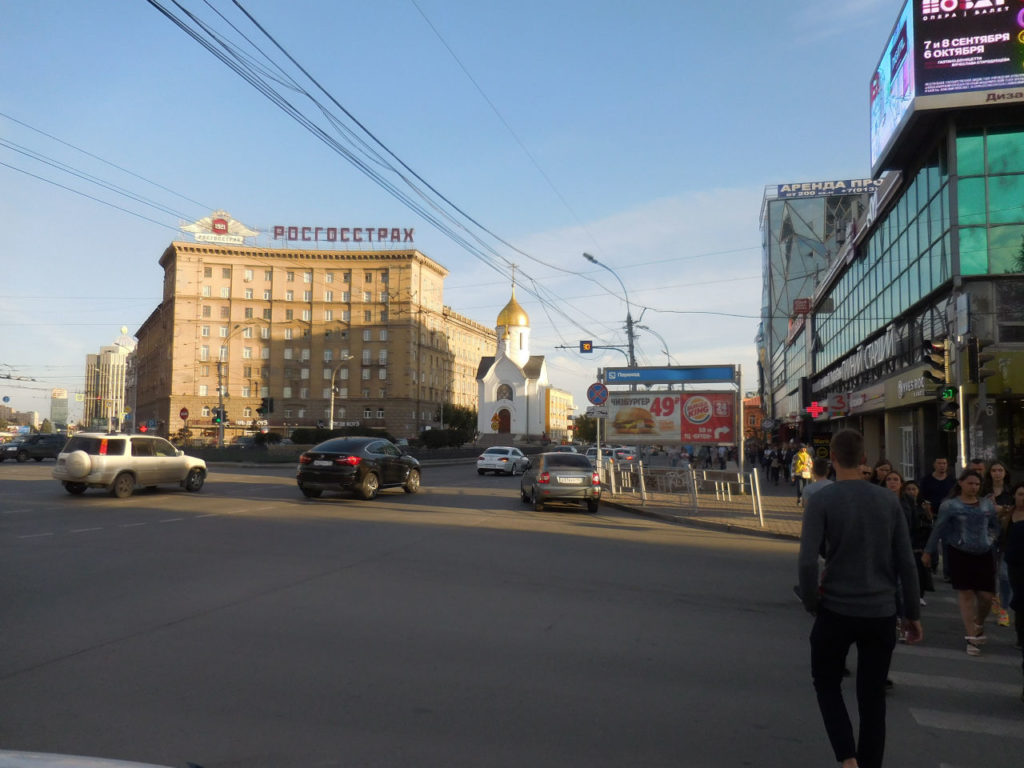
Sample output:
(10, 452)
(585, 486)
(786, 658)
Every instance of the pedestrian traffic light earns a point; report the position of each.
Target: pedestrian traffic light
(977, 358)
(936, 356)
(948, 412)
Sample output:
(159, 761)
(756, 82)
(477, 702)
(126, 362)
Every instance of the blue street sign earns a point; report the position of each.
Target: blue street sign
(701, 373)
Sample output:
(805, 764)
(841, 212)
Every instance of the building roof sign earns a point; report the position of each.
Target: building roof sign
(219, 227)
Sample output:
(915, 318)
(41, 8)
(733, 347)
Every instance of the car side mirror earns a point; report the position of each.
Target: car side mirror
(179, 452)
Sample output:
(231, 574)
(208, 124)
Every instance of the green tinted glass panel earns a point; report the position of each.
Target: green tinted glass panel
(1006, 199)
(973, 251)
(1006, 152)
(1006, 249)
(972, 201)
(970, 155)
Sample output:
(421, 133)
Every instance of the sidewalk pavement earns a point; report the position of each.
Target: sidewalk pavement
(782, 515)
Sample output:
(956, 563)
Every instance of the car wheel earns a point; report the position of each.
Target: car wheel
(481, 471)
(22, 457)
(369, 486)
(75, 489)
(592, 505)
(412, 482)
(39, 458)
(194, 480)
(123, 486)
(538, 505)
(523, 495)
(311, 493)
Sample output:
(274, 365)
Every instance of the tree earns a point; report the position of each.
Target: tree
(1018, 262)
(182, 436)
(586, 429)
(46, 427)
(461, 421)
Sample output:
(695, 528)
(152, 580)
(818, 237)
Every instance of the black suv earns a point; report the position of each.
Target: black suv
(36, 447)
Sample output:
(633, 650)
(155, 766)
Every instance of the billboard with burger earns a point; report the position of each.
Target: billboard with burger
(634, 417)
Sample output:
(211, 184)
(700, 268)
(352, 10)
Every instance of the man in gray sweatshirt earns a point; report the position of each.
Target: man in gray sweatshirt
(861, 532)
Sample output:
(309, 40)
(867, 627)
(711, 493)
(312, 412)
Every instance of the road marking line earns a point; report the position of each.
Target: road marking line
(949, 653)
(954, 683)
(212, 514)
(34, 535)
(172, 520)
(960, 721)
(84, 530)
(132, 525)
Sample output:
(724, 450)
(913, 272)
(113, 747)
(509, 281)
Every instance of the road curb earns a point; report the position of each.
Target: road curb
(710, 525)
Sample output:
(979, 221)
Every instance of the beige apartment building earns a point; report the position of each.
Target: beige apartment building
(262, 327)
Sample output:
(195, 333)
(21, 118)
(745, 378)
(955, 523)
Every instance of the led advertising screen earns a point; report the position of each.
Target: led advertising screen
(945, 54)
(892, 85)
(966, 46)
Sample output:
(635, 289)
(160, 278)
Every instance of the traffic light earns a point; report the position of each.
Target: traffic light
(264, 407)
(949, 409)
(218, 417)
(977, 358)
(936, 355)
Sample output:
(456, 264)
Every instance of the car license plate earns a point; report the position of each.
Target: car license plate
(571, 480)
(321, 463)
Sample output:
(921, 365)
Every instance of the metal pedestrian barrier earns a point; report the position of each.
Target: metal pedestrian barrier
(684, 485)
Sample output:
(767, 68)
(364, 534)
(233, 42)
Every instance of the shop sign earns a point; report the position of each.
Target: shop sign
(708, 418)
(870, 399)
(838, 404)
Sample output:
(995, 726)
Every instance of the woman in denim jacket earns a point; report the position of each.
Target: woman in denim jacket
(968, 523)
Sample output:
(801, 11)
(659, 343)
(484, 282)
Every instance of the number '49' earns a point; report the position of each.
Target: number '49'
(663, 406)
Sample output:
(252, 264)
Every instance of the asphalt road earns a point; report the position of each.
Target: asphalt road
(247, 626)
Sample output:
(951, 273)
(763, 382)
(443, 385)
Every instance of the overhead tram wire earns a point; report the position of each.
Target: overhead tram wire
(359, 163)
(107, 162)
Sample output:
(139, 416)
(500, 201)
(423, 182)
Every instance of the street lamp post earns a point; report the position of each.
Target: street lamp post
(334, 374)
(668, 357)
(629, 313)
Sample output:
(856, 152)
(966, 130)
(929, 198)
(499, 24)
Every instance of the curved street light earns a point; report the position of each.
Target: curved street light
(629, 312)
(334, 374)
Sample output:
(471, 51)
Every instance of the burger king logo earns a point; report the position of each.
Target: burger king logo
(697, 410)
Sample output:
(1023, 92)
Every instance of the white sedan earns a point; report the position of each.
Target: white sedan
(502, 460)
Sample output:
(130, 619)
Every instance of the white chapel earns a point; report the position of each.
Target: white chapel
(515, 398)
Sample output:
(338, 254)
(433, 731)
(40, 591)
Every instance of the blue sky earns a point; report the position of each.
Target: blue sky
(643, 133)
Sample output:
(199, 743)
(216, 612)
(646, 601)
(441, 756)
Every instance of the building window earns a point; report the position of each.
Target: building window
(382, 374)
(367, 315)
(305, 354)
(366, 335)
(266, 295)
(328, 315)
(248, 275)
(226, 273)
(383, 334)
(307, 315)
(307, 277)
(266, 314)
(367, 296)
(286, 391)
(205, 331)
(204, 390)
(264, 333)
(204, 353)
(368, 277)
(246, 392)
(329, 277)
(343, 374)
(304, 393)
(247, 353)
(206, 311)
(223, 351)
(328, 355)
(268, 275)
(248, 313)
(289, 315)
(367, 413)
(248, 293)
(205, 412)
(382, 357)
(225, 312)
(287, 353)
(290, 276)
(346, 316)
(207, 271)
(247, 371)
(366, 374)
(288, 334)
(247, 332)
(328, 295)
(307, 295)
(247, 413)
(223, 331)
(346, 296)
(380, 413)
(225, 292)
(265, 353)
(204, 370)
(207, 293)
(289, 295)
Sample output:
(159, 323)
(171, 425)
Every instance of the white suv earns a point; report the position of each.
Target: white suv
(120, 462)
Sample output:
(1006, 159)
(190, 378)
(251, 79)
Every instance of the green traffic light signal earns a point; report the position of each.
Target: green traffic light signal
(947, 393)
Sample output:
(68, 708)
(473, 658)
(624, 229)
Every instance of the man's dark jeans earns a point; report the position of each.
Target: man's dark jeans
(831, 638)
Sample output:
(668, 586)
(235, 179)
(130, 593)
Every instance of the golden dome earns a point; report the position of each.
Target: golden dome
(513, 314)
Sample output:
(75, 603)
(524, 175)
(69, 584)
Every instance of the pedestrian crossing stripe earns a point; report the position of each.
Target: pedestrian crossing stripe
(960, 721)
(955, 684)
(988, 655)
